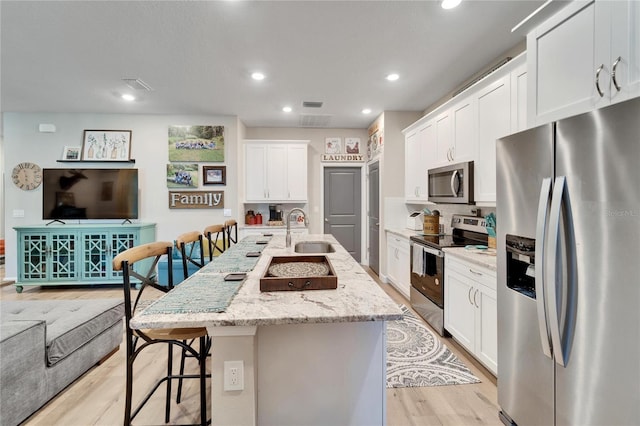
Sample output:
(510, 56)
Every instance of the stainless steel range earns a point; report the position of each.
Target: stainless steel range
(427, 266)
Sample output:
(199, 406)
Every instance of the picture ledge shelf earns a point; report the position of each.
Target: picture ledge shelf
(96, 161)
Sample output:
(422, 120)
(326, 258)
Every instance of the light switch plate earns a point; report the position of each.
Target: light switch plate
(227, 213)
(18, 213)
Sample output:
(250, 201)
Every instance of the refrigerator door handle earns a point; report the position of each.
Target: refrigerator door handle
(541, 227)
(554, 276)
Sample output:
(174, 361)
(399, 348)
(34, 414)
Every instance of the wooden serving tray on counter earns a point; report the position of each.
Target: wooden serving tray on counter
(295, 273)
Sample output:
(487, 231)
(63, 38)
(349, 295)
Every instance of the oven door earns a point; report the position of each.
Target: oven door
(427, 278)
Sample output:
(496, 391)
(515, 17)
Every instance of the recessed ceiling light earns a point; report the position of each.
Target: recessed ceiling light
(257, 76)
(450, 4)
(393, 77)
(128, 97)
(366, 111)
(286, 109)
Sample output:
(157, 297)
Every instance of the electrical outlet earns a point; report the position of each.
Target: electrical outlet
(233, 375)
(226, 213)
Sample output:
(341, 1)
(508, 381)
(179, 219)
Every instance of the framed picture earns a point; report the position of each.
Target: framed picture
(214, 175)
(203, 144)
(71, 153)
(332, 145)
(106, 145)
(182, 175)
(352, 145)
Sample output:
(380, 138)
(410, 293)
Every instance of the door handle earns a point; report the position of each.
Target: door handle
(613, 73)
(326, 220)
(541, 226)
(475, 296)
(469, 295)
(598, 71)
(560, 203)
(454, 180)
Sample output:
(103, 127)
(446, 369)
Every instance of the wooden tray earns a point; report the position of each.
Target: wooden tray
(317, 270)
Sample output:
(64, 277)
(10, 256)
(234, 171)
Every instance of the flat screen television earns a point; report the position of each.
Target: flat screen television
(89, 194)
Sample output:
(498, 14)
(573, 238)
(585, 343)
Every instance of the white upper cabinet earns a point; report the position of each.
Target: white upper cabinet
(444, 137)
(465, 130)
(419, 157)
(297, 172)
(276, 171)
(625, 49)
(573, 63)
(494, 121)
(519, 98)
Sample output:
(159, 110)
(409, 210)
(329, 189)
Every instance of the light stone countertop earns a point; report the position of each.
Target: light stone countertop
(403, 232)
(486, 258)
(357, 298)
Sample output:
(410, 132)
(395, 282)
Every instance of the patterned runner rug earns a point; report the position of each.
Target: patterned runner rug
(416, 357)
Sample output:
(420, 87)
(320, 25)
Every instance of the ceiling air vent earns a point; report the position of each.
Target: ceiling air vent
(137, 84)
(314, 120)
(311, 104)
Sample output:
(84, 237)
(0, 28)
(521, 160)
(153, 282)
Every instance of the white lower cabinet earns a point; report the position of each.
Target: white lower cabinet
(471, 310)
(398, 263)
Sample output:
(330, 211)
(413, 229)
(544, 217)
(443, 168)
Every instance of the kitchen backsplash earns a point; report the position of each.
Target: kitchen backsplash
(396, 212)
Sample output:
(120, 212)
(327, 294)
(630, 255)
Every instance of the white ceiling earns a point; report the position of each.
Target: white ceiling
(71, 56)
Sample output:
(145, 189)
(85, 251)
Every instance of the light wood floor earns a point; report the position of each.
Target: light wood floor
(97, 398)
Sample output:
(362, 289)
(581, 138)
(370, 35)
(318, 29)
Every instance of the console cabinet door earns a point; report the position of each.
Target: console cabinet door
(48, 257)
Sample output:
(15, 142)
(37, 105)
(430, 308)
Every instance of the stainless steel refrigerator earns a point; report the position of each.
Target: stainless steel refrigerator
(568, 213)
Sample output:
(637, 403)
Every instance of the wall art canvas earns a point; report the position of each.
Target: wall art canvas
(182, 175)
(106, 145)
(352, 145)
(196, 143)
(333, 145)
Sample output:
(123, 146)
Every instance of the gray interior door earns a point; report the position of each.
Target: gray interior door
(374, 217)
(343, 208)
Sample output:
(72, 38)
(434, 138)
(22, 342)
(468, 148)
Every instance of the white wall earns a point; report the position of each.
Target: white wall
(23, 142)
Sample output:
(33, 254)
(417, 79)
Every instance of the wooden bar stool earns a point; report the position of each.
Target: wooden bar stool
(231, 229)
(144, 258)
(191, 248)
(216, 236)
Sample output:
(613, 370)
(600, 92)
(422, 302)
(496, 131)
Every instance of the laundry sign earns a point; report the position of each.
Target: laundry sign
(196, 199)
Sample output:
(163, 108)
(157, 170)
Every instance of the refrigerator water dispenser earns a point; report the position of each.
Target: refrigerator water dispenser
(521, 265)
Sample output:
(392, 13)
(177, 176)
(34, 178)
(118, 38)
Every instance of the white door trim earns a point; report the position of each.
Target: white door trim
(364, 253)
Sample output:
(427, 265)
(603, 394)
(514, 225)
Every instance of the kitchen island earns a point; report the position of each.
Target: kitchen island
(312, 357)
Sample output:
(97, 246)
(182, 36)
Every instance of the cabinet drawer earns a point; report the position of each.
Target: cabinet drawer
(475, 272)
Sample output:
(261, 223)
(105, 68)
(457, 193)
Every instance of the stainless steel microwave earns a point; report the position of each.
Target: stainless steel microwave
(451, 184)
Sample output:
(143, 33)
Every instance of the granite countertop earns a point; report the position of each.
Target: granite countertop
(357, 298)
(403, 232)
(486, 258)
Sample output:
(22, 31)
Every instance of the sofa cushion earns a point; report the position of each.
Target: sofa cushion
(70, 324)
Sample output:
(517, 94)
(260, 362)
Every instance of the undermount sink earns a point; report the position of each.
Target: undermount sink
(313, 247)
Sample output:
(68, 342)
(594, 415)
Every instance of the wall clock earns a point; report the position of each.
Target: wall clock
(27, 176)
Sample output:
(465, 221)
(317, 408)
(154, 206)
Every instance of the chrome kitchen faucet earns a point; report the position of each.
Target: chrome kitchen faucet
(306, 223)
